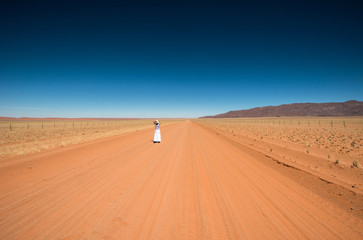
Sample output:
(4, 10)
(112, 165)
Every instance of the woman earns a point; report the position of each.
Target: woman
(157, 135)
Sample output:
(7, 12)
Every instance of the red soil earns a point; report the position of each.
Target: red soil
(194, 185)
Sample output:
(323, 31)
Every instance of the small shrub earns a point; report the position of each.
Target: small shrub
(355, 164)
(270, 149)
(337, 161)
(307, 151)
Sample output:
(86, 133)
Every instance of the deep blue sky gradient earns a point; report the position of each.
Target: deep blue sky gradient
(176, 59)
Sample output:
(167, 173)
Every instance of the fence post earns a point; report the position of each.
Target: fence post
(344, 123)
(11, 129)
(42, 126)
(28, 126)
(331, 123)
(54, 125)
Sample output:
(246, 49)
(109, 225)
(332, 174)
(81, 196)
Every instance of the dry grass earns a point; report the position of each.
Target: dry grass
(331, 138)
(23, 137)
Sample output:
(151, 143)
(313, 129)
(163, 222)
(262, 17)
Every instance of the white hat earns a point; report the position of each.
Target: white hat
(157, 121)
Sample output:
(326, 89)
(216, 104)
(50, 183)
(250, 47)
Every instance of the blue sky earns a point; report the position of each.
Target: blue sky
(179, 59)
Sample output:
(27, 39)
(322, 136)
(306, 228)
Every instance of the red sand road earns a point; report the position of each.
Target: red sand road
(194, 185)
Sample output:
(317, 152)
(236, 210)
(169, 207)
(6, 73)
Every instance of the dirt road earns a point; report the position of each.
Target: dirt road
(194, 185)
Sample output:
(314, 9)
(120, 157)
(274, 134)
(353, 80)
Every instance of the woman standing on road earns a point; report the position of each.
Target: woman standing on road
(157, 135)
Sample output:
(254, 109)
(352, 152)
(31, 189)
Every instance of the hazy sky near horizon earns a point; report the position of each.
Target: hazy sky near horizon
(176, 58)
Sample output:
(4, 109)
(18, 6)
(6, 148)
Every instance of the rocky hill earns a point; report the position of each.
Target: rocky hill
(349, 108)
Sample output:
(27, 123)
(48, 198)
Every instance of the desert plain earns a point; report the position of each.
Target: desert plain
(265, 178)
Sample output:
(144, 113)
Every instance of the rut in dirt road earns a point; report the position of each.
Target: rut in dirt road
(194, 185)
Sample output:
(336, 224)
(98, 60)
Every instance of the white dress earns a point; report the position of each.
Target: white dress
(157, 135)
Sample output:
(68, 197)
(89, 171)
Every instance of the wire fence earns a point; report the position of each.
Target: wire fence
(296, 122)
(47, 125)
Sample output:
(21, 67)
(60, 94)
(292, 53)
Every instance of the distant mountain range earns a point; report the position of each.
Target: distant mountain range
(349, 108)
